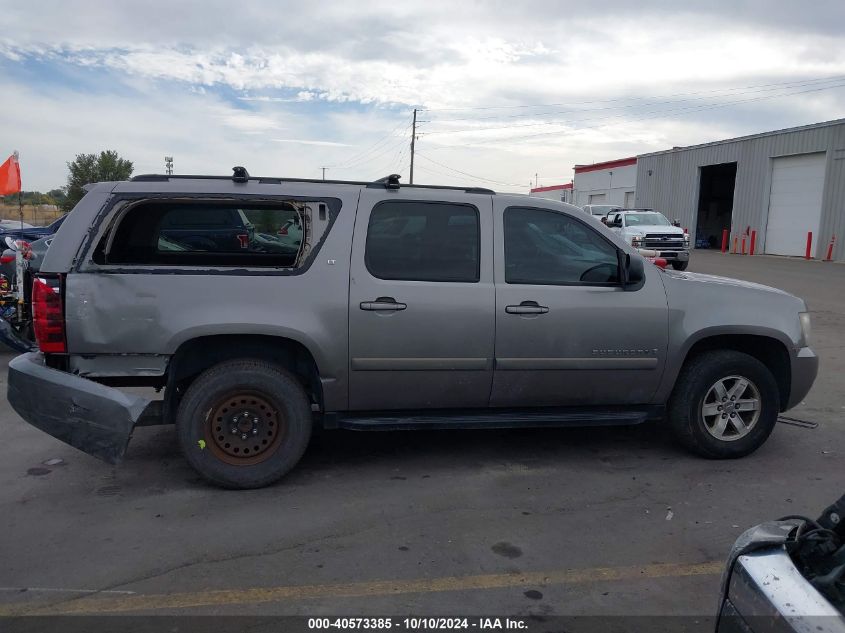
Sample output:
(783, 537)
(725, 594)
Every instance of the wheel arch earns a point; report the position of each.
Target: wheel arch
(195, 355)
(767, 348)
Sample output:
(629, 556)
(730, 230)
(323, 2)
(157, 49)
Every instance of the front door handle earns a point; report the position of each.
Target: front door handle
(383, 303)
(527, 307)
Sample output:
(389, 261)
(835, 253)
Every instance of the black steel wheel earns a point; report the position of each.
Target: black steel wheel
(244, 423)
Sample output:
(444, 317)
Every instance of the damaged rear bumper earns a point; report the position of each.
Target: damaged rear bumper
(89, 416)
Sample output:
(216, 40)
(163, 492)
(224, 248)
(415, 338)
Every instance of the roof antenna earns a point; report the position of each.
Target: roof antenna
(240, 174)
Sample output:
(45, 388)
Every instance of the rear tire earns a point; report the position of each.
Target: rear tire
(680, 265)
(704, 417)
(244, 423)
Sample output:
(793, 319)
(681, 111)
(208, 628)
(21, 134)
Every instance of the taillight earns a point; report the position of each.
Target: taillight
(7, 259)
(48, 317)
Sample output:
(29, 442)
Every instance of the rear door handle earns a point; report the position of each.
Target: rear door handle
(383, 303)
(527, 307)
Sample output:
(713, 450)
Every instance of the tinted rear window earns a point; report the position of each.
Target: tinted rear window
(423, 241)
(206, 234)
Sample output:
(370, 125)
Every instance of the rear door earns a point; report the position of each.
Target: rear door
(421, 300)
(567, 333)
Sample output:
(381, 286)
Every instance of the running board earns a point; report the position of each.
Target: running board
(490, 418)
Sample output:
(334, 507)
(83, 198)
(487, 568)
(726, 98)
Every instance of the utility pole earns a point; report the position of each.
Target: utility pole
(20, 190)
(324, 172)
(168, 165)
(413, 138)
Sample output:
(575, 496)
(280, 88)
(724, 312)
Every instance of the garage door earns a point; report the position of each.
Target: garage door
(795, 203)
(597, 198)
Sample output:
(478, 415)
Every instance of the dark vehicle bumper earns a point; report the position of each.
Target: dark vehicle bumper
(91, 417)
(805, 366)
(672, 256)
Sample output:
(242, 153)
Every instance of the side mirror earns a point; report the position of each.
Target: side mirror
(676, 222)
(633, 270)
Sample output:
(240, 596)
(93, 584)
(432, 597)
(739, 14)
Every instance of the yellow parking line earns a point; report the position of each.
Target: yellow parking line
(259, 595)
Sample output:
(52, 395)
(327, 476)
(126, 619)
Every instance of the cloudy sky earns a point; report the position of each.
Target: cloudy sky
(507, 89)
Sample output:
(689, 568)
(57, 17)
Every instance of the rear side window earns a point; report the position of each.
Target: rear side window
(206, 234)
(423, 241)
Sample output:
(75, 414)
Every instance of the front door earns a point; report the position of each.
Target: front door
(421, 300)
(567, 333)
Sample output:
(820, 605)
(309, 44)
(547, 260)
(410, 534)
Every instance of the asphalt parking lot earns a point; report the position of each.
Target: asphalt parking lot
(522, 522)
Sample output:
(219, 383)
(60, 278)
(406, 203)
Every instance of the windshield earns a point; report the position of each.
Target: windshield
(650, 218)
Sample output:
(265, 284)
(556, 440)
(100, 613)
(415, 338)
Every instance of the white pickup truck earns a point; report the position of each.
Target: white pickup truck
(648, 229)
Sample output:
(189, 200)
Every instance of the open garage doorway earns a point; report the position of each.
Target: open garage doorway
(715, 204)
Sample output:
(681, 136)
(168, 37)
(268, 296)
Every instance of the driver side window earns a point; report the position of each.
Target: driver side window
(548, 248)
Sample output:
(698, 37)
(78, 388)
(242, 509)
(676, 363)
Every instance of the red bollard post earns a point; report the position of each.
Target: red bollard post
(809, 245)
(830, 248)
(743, 245)
(724, 240)
(753, 242)
(736, 242)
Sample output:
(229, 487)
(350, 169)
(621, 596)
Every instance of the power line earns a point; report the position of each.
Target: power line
(678, 94)
(343, 164)
(463, 173)
(386, 149)
(629, 106)
(637, 118)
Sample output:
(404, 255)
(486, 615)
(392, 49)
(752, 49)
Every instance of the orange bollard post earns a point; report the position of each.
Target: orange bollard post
(809, 245)
(724, 240)
(830, 248)
(743, 245)
(736, 243)
(753, 242)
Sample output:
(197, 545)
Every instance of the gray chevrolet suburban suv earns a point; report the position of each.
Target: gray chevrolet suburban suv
(402, 307)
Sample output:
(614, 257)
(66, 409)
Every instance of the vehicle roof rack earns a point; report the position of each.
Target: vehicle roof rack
(277, 181)
(240, 174)
(389, 182)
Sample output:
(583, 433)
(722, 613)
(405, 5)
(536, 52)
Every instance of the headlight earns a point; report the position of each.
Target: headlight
(686, 238)
(804, 318)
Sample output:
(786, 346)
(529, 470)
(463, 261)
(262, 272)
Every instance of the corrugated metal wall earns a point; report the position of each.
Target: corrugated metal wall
(668, 181)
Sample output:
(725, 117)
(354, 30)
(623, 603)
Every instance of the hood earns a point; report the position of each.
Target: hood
(706, 303)
(724, 281)
(655, 228)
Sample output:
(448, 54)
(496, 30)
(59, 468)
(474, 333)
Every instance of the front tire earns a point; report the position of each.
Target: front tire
(680, 265)
(244, 423)
(725, 404)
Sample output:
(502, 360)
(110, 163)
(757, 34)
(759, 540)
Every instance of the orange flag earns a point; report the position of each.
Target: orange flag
(10, 175)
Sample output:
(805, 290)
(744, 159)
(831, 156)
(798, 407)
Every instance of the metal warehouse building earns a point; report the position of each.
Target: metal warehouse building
(782, 184)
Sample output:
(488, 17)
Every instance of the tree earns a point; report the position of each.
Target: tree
(87, 168)
(56, 196)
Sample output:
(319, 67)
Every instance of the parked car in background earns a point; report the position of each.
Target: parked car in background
(601, 210)
(290, 232)
(29, 233)
(787, 576)
(11, 225)
(405, 307)
(646, 228)
(20, 261)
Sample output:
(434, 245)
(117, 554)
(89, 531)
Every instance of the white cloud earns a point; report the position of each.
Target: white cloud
(303, 141)
(338, 87)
